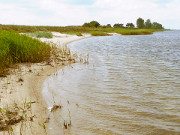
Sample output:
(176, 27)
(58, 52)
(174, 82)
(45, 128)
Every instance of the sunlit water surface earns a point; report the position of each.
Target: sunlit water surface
(131, 86)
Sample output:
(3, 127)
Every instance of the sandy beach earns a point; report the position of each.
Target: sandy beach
(21, 102)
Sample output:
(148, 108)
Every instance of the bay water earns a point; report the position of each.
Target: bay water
(129, 85)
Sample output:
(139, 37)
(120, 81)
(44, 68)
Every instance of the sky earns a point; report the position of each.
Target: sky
(77, 12)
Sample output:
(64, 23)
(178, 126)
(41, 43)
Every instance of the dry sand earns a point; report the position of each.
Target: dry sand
(21, 102)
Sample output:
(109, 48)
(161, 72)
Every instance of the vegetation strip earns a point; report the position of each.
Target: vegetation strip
(94, 28)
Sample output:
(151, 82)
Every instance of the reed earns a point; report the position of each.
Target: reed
(16, 48)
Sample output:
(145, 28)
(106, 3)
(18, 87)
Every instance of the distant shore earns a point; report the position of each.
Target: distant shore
(21, 92)
(80, 30)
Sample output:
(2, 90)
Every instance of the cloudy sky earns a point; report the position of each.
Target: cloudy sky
(76, 12)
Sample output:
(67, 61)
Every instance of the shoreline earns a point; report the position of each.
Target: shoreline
(23, 88)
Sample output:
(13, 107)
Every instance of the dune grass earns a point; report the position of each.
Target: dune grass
(41, 34)
(73, 33)
(16, 48)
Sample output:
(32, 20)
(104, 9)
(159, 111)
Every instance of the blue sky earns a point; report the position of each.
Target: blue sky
(76, 12)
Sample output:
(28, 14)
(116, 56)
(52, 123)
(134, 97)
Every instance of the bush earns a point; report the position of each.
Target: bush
(156, 25)
(130, 25)
(117, 25)
(91, 24)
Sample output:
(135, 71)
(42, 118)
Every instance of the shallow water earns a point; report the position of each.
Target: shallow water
(130, 86)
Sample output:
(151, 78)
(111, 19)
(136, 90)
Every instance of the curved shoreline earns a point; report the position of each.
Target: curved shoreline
(24, 86)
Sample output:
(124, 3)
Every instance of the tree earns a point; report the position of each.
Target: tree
(140, 23)
(156, 25)
(94, 24)
(117, 25)
(130, 25)
(108, 26)
(148, 24)
(86, 25)
(91, 24)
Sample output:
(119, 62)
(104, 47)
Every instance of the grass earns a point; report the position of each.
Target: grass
(41, 34)
(73, 33)
(21, 115)
(98, 33)
(16, 48)
(78, 30)
(134, 31)
(10, 116)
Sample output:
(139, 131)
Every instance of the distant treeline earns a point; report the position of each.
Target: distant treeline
(140, 24)
(94, 28)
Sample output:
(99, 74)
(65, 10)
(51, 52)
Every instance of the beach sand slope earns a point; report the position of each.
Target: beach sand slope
(22, 107)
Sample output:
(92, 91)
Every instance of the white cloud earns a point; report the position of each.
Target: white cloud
(12, 14)
(130, 10)
(64, 14)
(104, 11)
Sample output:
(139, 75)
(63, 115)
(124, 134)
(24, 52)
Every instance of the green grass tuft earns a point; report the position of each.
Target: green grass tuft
(41, 34)
(16, 48)
(98, 33)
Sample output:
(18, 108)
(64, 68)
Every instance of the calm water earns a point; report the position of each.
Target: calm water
(131, 86)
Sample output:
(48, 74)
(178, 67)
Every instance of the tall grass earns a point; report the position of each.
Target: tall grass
(41, 34)
(134, 31)
(16, 48)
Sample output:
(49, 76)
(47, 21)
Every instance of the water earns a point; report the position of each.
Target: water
(131, 86)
